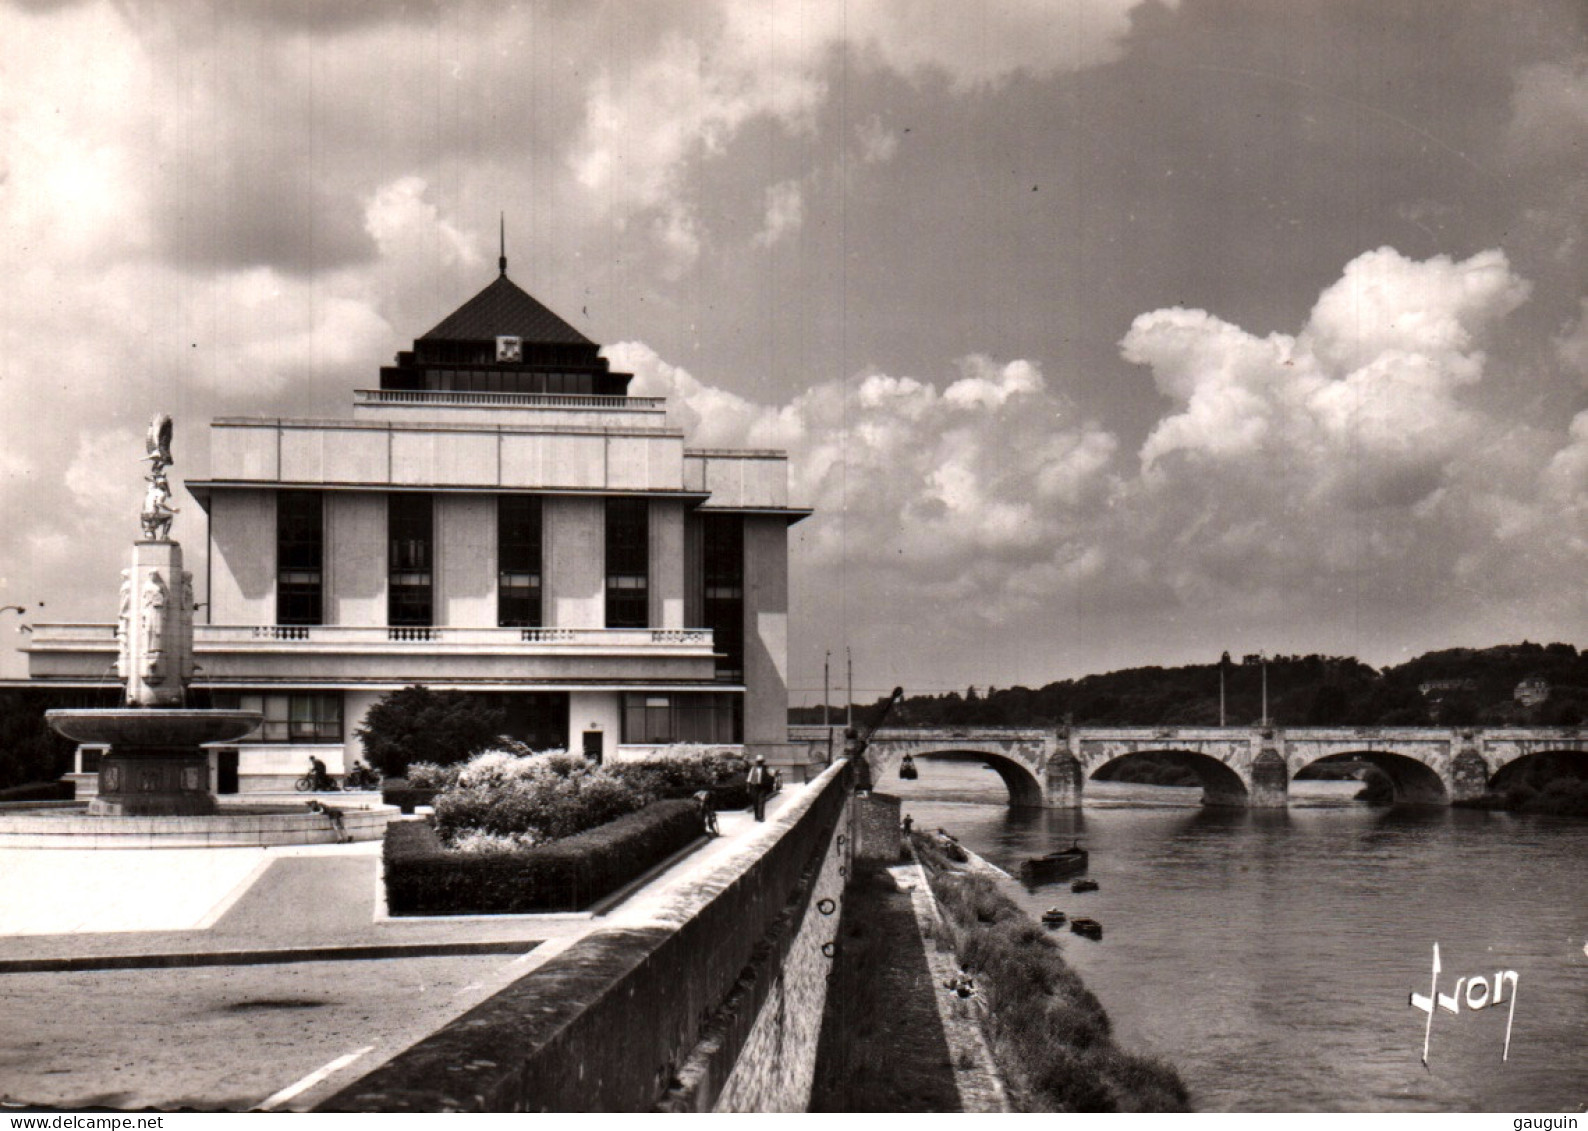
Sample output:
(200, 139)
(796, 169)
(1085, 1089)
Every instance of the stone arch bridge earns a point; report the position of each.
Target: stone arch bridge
(1238, 766)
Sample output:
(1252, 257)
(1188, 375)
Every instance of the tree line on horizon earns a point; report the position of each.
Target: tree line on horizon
(1451, 687)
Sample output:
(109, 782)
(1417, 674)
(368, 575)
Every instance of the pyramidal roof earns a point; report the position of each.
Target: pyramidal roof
(504, 309)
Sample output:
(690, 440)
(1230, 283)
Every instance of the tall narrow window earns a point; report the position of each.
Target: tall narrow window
(628, 563)
(410, 527)
(518, 561)
(722, 539)
(300, 555)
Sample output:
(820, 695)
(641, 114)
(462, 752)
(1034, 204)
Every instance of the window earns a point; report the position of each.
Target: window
(722, 538)
(518, 550)
(410, 526)
(307, 716)
(300, 553)
(628, 563)
(653, 720)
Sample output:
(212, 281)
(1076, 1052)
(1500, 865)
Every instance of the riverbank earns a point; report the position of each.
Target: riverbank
(1050, 1036)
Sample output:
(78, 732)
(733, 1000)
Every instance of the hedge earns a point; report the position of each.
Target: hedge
(397, 791)
(40, 791)
(424, 878)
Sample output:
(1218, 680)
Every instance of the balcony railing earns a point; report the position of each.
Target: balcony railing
(461, 399)
(219, 637)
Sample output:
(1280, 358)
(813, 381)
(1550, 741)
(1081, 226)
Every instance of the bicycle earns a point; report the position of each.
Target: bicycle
(307, 784)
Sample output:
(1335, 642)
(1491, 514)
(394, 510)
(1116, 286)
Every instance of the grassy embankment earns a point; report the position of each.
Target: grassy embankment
(1050, 1036)
(882, 1046)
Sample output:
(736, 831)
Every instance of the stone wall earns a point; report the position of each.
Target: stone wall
(777, 1063)
(877, 828)
(654, 1013)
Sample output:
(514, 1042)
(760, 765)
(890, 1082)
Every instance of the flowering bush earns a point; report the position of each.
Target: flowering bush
(527, 799)
(428, 775)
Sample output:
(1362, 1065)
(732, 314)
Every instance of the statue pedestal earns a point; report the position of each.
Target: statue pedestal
(156, 625)
(153, 781)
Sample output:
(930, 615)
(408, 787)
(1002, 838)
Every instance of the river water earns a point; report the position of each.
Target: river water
(1269, 954)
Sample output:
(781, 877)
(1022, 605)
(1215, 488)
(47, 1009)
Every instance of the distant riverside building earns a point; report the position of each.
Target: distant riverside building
(1437, 689)
(499, 516)
(1532, 691)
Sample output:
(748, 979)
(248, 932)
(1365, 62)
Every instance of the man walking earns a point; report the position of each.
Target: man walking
(759, 782)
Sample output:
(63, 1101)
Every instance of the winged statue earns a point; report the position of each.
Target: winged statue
(159, 442)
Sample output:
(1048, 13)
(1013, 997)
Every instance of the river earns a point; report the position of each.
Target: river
(1268, 954)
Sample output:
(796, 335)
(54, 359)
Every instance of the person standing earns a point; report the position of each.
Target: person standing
(759, 782)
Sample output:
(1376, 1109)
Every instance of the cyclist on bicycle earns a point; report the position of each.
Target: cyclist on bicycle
(321, 781)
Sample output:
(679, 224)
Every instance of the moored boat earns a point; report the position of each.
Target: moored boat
(1064, 862)
(1087, 928)
(1083, 885)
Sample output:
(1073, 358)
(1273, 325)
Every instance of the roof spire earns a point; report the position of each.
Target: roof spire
(501, 262)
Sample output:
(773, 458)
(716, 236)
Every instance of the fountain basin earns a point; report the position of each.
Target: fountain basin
(156, 765)
(167, 727)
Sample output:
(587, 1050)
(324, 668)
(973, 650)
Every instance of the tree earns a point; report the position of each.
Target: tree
(29, 750)
(417, 724)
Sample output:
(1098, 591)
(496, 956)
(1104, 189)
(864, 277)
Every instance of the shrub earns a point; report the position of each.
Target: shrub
(417, 724)
(1049, 1033)
(40, 791)
(487, 876)
(428, 775)
(683, 771)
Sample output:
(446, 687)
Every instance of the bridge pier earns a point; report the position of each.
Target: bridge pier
(1064, 784)
(1469, 773)
(1270, 786)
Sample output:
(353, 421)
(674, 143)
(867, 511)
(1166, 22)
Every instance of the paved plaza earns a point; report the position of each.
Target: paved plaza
(242, 978)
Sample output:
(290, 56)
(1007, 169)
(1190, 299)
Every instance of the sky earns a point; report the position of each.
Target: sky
(1100, 334)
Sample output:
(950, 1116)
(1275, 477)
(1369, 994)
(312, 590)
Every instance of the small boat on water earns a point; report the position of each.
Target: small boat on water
(1064, 862)
(1087, 928)
(1083, 885)
(1053, 917)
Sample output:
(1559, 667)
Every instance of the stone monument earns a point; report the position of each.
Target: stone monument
(155, 765)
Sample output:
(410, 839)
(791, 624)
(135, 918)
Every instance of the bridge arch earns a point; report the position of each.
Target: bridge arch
(1221, 784)
(1414, 781)
(1020, 779)
(1514, 772)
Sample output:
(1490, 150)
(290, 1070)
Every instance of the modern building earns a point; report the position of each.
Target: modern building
(499, 516)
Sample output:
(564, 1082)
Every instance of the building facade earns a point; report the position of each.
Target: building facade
(498, 516)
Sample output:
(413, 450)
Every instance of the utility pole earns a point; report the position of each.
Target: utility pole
(849, 703)
(1224, 662)
(826, 681)
(1264, 656)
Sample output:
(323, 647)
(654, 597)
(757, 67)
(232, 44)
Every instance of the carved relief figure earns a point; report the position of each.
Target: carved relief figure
(156, 601)
(124, 665)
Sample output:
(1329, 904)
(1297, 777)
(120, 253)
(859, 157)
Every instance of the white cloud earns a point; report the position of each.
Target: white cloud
(785, 212)
(1571, 344)
(877, 143)
(647, 128)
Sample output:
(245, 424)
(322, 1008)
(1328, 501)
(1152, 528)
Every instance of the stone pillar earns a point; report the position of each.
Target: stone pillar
(155, 626)
(1065, 781)
(1469, 773)
(1270, 787)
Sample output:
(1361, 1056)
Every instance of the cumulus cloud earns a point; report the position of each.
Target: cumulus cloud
(1340, 471)
(785, 212)
(877, 142)
(647, 129)
(983, 471)
(1359, 409)
(1571, 344)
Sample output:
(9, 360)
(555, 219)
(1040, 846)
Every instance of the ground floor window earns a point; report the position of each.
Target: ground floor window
(656, 719)
(290, 716)
(538, 719)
